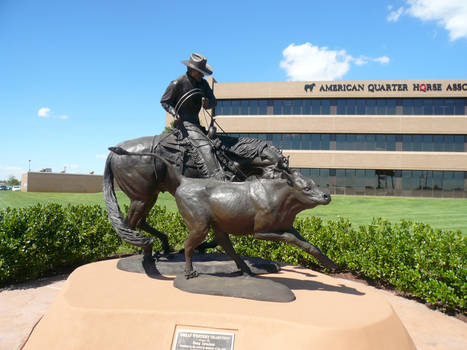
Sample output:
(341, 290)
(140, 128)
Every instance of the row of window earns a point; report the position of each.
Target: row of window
(344, 106)
(364, 142)
(394, 182)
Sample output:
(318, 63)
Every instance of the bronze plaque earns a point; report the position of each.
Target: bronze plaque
(191, 339)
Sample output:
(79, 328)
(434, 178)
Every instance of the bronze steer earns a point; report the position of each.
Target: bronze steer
(264, 208)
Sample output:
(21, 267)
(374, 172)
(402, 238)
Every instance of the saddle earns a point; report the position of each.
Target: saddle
(173, 148)
(181, 153)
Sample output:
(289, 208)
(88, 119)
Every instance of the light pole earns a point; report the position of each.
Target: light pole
(29, 166)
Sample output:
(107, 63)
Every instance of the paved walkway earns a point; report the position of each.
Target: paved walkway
(22, 307)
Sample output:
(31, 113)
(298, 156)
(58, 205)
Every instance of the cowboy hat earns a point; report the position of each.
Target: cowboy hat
(199, 63)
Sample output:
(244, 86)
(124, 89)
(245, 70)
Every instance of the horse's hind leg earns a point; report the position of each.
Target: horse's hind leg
(137, 213)
(162, 236)
(206, 245)
(151, 230)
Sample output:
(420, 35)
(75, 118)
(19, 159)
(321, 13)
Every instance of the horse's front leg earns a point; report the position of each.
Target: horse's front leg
(292, 236)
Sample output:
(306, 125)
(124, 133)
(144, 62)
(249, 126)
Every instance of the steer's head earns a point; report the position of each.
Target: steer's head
(306, 191)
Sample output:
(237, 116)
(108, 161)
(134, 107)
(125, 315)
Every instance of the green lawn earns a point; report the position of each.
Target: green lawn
(440, 213)
(24, 199)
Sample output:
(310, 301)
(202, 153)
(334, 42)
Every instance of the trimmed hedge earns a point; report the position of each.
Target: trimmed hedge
(42, 239)
(426, 263)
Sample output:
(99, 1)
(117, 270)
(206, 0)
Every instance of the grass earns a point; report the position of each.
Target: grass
(25, 199)
(447, 214)
(442, 213)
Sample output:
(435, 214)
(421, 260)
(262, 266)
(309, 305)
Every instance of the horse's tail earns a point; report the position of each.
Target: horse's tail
(115, 215)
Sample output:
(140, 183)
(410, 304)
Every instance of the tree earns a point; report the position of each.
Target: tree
(168, 129)
(12, 181)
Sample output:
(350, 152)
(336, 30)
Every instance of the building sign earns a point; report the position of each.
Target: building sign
(369, 87)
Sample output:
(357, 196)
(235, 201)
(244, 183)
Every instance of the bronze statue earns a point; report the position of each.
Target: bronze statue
(146, 166)
(189, 148)
(142, 178)
(265, 208)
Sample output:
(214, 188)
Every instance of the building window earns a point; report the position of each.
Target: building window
(345, 106)
(235, 107)
(365, 142)
(417, 183)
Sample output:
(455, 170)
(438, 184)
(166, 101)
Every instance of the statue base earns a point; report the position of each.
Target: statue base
(102, 307)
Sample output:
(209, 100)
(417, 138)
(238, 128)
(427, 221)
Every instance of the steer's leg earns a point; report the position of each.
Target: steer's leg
(293, 236)
(194, 239)
(224, 241)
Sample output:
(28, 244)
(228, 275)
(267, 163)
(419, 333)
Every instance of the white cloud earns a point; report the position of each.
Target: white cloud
(362, 60)
(309, 62)
(46, 112)
(450, 14)
(43, 112)
(382, 59)
(394, 15)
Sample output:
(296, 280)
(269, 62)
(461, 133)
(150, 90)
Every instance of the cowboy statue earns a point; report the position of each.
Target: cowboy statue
(183, 99)
(189, 144)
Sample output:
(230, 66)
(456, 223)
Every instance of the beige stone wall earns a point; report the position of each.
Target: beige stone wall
(452, 161)
(56, 182)
(342, 89)
(380, 124)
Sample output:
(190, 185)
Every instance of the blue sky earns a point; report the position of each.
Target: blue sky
(79, 76)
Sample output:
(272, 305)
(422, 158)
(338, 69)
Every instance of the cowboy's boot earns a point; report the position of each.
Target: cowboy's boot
(214, 168)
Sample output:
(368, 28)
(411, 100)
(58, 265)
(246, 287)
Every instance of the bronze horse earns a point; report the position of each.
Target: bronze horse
(141, 176)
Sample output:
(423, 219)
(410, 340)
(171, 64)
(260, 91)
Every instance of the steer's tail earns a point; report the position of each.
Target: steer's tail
(115, 215)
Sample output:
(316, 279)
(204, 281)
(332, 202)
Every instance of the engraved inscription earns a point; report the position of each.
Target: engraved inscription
(189, 339)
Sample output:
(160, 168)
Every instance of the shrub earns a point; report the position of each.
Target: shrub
(413, 257)
(38, 240)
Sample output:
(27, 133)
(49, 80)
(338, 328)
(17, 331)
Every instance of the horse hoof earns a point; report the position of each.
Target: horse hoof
(164, 256)
(247, 273)
(192, 274)
(331, 265)
(167, 249)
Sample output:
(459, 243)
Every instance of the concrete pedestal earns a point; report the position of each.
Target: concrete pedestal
(101, 307)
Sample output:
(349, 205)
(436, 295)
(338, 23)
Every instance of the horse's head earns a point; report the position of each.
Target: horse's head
(254, 158)
(273, 162)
